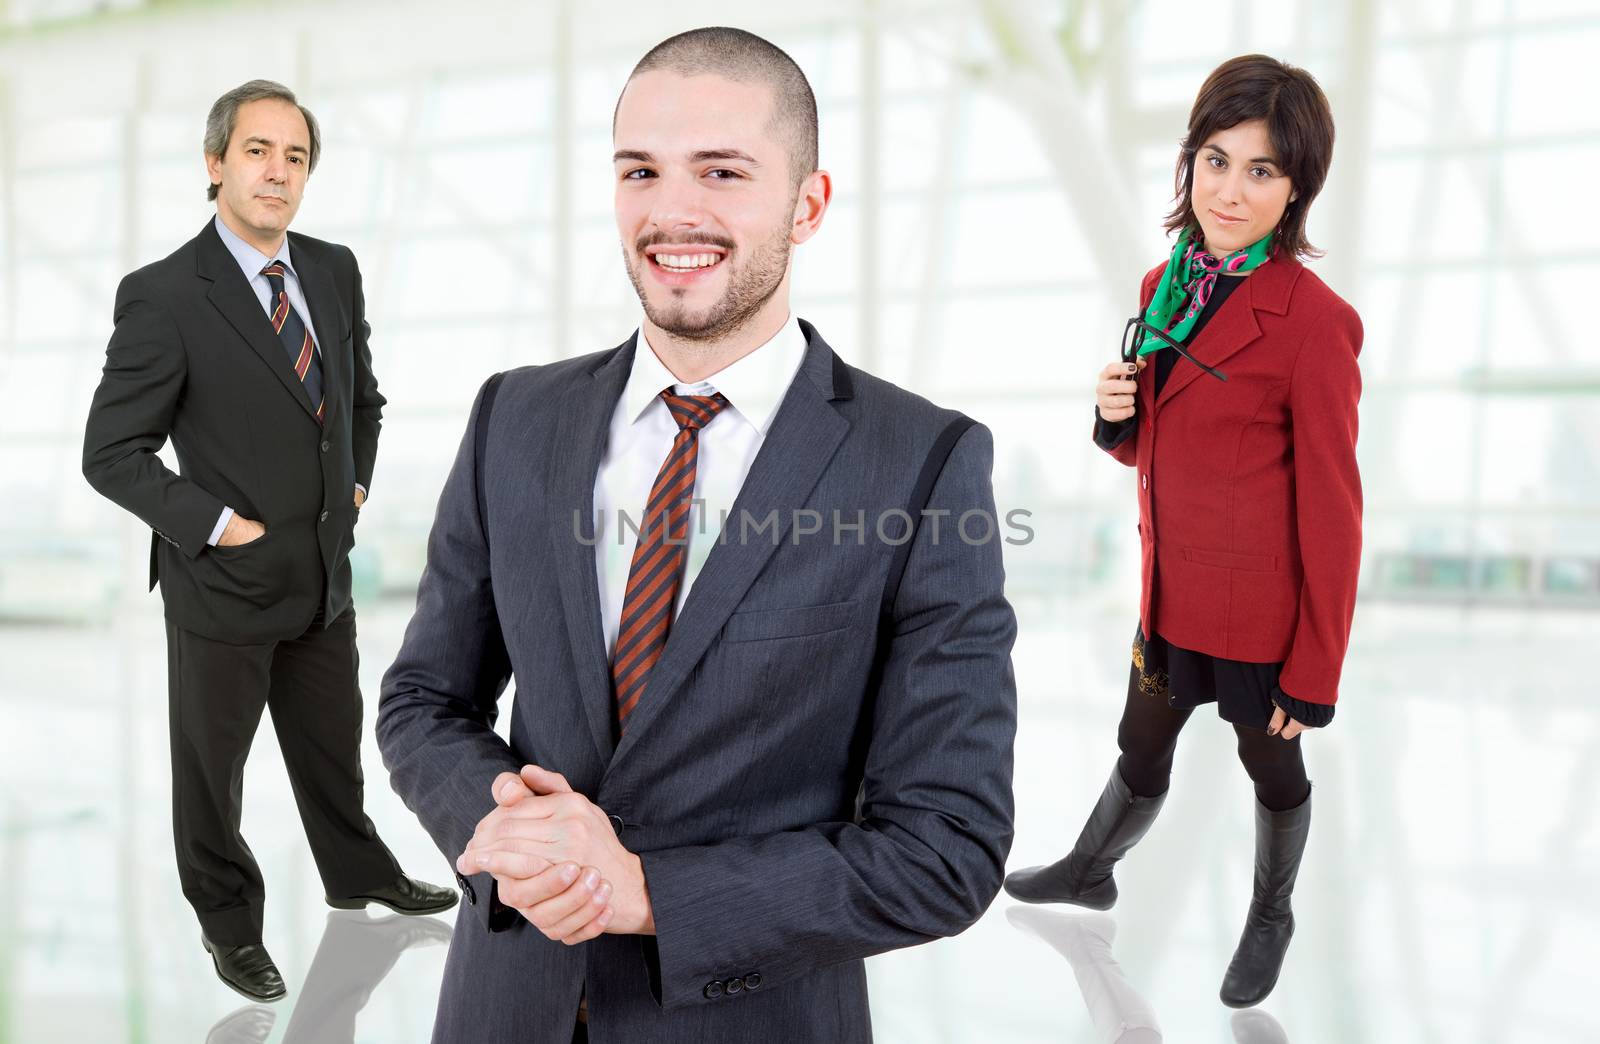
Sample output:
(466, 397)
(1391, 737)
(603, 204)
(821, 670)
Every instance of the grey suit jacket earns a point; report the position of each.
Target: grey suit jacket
(806, 783)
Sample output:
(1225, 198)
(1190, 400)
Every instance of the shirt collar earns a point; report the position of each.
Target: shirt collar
(754, 384)
(251, 261)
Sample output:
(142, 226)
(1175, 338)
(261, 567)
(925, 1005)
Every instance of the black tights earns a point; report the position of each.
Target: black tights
(1148, 736)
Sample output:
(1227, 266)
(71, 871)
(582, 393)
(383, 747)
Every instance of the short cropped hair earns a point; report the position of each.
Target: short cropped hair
(745, 57)
(1299, 127)
(225, 114)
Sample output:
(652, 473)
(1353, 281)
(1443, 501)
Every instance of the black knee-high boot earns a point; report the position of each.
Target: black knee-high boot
(1280, 842)
(1120, 818)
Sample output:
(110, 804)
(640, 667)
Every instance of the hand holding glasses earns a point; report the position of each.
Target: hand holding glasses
(1134, 334)
(1114, 395)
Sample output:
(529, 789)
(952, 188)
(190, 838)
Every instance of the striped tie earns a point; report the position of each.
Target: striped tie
(296, 337)
(661, 554)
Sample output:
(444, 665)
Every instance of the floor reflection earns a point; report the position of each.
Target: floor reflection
(355, 954)
(1120, 1012)
(1438, 902)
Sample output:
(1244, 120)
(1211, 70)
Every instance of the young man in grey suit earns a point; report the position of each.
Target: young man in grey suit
(758, 735)
(247, 347)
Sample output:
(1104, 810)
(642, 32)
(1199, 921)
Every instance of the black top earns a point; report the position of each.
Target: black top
(1186, 663)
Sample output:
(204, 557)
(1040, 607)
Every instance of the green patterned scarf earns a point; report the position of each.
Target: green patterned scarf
(1186, 284)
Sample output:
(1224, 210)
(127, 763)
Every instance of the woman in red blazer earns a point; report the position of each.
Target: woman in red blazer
(1243, 437)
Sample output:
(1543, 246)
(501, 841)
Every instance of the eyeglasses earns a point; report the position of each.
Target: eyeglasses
(1137, 330)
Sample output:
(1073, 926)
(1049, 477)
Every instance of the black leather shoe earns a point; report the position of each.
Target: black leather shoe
(405, 896)
(1120, 818)
(1280, 842)
(247, 970)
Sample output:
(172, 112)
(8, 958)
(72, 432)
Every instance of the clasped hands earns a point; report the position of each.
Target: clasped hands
(556, 860)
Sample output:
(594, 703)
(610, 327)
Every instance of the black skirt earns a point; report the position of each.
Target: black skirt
(1186, 679)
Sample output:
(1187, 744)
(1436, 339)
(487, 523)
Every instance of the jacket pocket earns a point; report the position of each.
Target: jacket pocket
(759, 624)
(253, 571)
(1230, 560)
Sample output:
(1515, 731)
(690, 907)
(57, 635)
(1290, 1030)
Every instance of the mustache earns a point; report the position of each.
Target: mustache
(664, 239)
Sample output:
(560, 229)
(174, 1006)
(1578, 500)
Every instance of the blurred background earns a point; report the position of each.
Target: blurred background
(1001, 172)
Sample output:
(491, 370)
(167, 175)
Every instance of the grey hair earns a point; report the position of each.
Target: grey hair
(745, 57)
(225, 113)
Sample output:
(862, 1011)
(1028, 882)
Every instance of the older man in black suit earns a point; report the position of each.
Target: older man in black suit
(247, 347)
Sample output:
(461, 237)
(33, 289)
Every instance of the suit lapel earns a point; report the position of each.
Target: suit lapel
(327, 323)
(231, 294)
(585, 425)
(1234, 326)
(805, 432)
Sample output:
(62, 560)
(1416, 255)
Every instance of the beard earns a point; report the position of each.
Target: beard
(751, 284)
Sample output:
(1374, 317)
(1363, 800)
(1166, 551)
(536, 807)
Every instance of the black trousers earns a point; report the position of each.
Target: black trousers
(1148, 739)
(216, 693)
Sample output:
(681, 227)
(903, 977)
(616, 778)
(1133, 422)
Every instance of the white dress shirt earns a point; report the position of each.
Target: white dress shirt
(251, 262)
(642, 430)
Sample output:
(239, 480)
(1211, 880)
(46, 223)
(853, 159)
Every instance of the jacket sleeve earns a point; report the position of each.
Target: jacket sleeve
(440, 697)
(1121, 438)
(131, 417)
(1324, 390)
(925, 855)
(1116, 437)
(366, 404)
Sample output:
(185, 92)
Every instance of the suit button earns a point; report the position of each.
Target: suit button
(326, 445)
(322, 517)
(616, 821)
(713, 989)
(735, 984)
(467, 889)
(752, 981)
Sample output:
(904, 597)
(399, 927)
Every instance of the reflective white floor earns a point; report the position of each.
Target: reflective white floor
(1447, 895)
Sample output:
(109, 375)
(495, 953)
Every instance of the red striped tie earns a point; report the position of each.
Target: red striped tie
(296, 337)
(661, 554)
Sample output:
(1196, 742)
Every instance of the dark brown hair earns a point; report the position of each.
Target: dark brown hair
(1299, 126)
(745, 57)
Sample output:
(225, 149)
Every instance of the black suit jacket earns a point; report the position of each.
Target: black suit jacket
(194, 358)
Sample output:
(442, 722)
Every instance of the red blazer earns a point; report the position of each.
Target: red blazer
(1249, 496)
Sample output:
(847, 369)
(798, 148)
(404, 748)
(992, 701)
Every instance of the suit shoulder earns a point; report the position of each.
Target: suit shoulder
(159, 277)
(321, 250)
(1326, 318)
(880, 396)
(900, 424)
(1313, 295)
(545, 378)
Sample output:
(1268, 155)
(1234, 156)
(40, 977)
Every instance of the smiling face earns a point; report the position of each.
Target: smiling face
(262, 174)
(706, 203)
(1240, 192)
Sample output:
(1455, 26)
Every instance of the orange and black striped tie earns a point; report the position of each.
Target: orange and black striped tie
(296, 337)
(661, 555)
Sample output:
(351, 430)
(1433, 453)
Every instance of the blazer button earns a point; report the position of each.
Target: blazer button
(322, 517)
(326, 445)
(616, 821)
(735, 984)
(467, 889)
(713, 989)
(752, 981)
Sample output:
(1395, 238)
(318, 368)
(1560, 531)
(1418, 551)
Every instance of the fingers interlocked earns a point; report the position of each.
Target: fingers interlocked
(536, 816)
